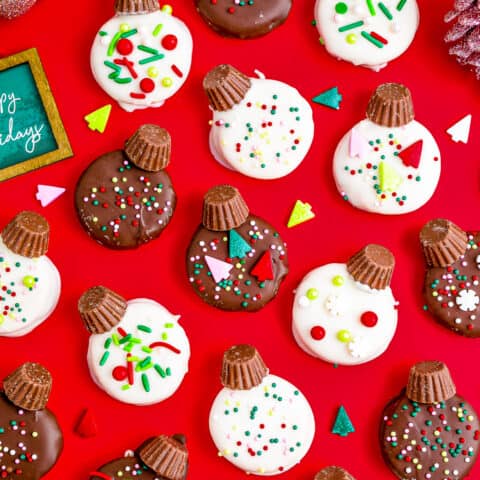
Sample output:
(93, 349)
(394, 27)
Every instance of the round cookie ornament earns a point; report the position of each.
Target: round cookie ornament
(29, 281)
(247, 19)
(261, 128)
(346, 313)
(125, 198)
(10, 9)
(259, 422)
(235, 261)
(333, 473)
(428, 431)
(158, 458)
(142, 56)
(31, 437)
(137, 353)
(388, 163)
(451, 286)
(366, 32)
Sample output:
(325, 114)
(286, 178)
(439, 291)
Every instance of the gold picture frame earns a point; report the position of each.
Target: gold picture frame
(63, 150)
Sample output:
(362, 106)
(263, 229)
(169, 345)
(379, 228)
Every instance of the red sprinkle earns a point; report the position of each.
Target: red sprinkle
(317, 332)
(169, 42)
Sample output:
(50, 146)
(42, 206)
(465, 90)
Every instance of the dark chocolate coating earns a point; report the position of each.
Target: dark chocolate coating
(145, 204)
(249, 286)
(244, 21)
(40, 451)
(419, 422)
(132, 464)
(442, 303)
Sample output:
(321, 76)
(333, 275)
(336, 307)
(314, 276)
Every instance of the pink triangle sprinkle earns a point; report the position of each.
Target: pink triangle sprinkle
(46, 194)
(220, 270)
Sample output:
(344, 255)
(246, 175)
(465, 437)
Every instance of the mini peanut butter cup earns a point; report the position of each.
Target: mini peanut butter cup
(373, 266)
(430, 383)
(333, 473)
(166, 456)
(225, 86)
(443, 242)
(27, 234)
(28, 386)
(149, 148)
(224, 208)
(243, 368)
(101, 309)
(391, 105)
(136, 6)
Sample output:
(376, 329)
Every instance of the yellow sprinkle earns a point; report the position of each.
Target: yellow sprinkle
(270, 413)
(2, 319)
(124, 27)
(167, 82)
(435, 294)
(94, 190)
(227, 402)
(413, 442)
(415, 461)
(228, 289)
(11, 315)
(124, 179)
(95, 219)
(240, 276)
(234, 428)
(261, 470)
(470, 418)
(123, 206)
(34, 434)
(238, 265)
(226, 452)
(351, 38)
(224, 239)
(167, 9)
(114, 179)
(443, 454)
(405, 437)
(152, 72)
(436, 433)
(419, 467)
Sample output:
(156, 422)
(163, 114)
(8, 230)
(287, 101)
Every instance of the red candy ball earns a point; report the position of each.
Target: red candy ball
(169, 42)
(120, 373)
(369, 319)
(147, 85)
(317, 332)
(124, 46)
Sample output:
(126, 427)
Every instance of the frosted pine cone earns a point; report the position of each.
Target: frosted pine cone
(464, 36)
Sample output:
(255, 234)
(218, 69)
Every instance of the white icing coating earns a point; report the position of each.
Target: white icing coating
(273, 422)
(22, 308)
(163, 381)
(360, 187)
(350, 44)
(165, 75)
(249, 135)
(366, 342)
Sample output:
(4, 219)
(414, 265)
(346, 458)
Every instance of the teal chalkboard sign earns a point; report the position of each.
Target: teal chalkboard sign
(31, 131)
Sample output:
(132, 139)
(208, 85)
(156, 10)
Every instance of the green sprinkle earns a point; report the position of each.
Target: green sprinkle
(125, 339)
(160, 370)
(122, 80)
(168, 371)
(385, 11)
(107, 343)
(115, 339)
(367, 36)
(125, 387)
(145, 382)
(102, 33)
(157, 29)
(147, 349)
(104, 358)
(351, 26)
(168, 325)
(144, 48)
(401, 4)
(144, 328)
(129, 33)
(154, 58)
(371, 8)
(113, 43)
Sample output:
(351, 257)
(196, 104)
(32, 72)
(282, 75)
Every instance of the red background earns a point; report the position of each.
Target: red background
(443, 93)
